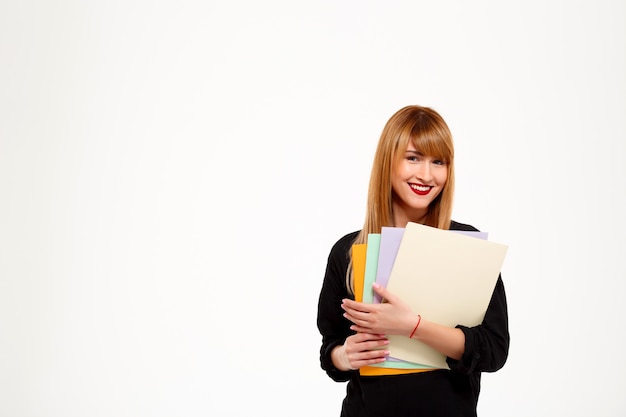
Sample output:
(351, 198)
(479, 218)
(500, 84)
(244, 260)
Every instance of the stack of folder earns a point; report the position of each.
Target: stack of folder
(447, 276)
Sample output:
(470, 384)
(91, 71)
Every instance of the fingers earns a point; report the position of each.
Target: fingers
(356, 306)
(368, 358)
(364, 349)
(386, 318)
(360, 329)
(364, 338)
(354, 312)
(386, 295)
(363, 315)
(358, 310)
(360, 319)
(383, 292)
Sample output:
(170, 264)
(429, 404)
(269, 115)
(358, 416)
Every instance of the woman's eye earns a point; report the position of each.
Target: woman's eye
(438, 162)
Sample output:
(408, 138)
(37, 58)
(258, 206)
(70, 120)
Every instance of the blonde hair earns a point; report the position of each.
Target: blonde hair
(430, 135)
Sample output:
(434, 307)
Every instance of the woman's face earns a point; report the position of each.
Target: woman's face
(416, 182)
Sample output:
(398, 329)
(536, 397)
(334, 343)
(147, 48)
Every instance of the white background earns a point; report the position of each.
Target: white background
(173, 175)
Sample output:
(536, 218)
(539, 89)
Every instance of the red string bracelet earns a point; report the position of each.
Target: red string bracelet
(419, 319)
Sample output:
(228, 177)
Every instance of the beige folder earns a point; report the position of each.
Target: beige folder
(446, 277)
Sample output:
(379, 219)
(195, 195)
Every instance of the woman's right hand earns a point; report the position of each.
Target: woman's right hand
(360, 349)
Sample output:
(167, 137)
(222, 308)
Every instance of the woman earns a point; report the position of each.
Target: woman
(412, 180)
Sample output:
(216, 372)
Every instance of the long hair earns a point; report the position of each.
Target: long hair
(430, 135)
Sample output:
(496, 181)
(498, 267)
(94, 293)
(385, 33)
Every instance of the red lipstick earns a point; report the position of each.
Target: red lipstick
(420, 189)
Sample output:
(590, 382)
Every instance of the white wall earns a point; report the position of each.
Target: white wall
(173, 175)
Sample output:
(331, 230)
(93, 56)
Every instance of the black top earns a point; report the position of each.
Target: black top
(446, 393)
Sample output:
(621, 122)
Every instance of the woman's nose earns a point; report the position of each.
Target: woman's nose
(424, 172)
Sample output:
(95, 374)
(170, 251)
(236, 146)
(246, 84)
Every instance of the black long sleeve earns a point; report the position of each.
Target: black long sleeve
(435, 393)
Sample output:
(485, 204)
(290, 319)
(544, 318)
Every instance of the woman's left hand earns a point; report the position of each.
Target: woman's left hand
(393, 316)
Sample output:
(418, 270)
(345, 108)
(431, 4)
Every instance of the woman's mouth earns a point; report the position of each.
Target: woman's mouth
(420, 189)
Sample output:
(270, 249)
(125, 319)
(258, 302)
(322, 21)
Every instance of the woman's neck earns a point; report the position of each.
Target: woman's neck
(401, 218)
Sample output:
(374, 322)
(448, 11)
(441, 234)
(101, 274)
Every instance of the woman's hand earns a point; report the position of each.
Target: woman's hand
(390, 317)
(396, 317)
(360, 350)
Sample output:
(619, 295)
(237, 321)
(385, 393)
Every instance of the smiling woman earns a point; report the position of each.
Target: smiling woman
(412, 180)
(417, 181)
(412, 134)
